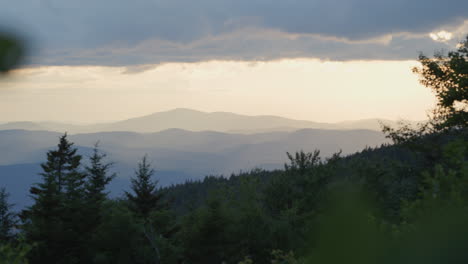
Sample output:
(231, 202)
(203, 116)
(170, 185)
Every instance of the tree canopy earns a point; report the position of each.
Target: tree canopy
(447, 76)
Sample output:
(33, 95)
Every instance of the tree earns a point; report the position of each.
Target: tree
(118, 238)
(145, 201)
(207, 237)
(7, 218)
(55, 221)
(14, 253)
(301, 162)
(146, 197)
(98, 177)
(447, 76)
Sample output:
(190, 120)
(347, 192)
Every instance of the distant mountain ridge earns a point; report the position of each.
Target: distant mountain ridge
(177, 155)
(193, 120)
(194, 153)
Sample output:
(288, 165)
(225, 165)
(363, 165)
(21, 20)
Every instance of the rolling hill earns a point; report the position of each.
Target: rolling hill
(193, 120)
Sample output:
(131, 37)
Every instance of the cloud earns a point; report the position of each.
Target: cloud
(441, 36)
(95, 32)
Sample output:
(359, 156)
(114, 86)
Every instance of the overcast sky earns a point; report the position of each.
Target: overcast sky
(261, 53)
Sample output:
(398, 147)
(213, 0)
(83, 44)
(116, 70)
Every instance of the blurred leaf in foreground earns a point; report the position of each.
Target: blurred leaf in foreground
(11, 52)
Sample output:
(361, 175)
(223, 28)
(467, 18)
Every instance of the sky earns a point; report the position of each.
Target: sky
(321, 60)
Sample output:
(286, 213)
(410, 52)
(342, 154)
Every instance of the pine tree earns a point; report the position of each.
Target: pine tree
(97, 177)
(208, 241)
(7, 218)
(145, 201)
(146, 198)
(55, 221)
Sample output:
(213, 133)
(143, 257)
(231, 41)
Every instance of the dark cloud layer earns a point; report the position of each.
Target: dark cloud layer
(118, 32)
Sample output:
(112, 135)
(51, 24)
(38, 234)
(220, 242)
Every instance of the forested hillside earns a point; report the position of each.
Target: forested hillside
(404, 202)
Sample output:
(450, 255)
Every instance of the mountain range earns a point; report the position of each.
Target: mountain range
(192, 120)
(182, 145)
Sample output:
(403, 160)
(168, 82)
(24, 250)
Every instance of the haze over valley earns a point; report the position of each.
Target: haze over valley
(182, 144)
(234, 132)
(193, 120)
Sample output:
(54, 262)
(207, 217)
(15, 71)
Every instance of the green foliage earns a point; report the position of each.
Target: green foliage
(97, 177)
(301, 162)
(118, 238)
(14, 253)
(246, 260)
(346, 233)
(280, 257)
(297, 213)
(156, 221)
(56, 220)
(251, 224)
(207, 234)
(8, 219)
(445, 185)
(447, 76)
(146, 197)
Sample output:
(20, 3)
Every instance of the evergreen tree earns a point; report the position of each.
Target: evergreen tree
(146, 198)
(55, 221)
(207, 238)
(7, 218)
(97, 177)
(146, 201)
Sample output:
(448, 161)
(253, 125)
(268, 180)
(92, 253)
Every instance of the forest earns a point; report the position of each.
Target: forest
(405, 202)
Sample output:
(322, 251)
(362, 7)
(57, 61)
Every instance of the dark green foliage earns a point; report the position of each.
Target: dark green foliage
(14, 252)
(151, 210)
(207, 234)
(146, 197)
(56, 220)
(293, 213)
(251, 222)
(118, 238)
(8, 219)
(98, 177)
(447, 76)
(345, 233)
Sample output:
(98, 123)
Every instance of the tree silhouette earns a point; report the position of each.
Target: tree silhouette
(447, 76)
(7, 217)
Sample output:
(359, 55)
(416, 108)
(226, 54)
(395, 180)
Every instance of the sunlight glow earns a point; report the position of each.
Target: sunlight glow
(441, 36)
(310, 89)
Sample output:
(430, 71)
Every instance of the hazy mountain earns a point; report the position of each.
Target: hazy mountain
(22, 125)
(193, 152)
(198, 121)
(176, 154)
(193, 120)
